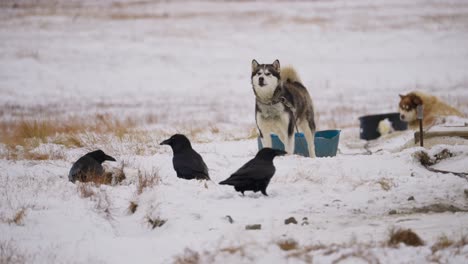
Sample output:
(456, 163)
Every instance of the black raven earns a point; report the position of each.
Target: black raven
(187, 162)
(89, 166)
(256, 174)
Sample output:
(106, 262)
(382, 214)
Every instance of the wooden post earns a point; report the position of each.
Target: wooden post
(420, 116)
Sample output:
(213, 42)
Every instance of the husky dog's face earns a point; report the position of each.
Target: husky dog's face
(407, 107)
(265, 78)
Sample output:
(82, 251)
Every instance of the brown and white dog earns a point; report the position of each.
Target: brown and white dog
(434, 109)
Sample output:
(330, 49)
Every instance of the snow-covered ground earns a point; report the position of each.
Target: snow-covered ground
(163, 67)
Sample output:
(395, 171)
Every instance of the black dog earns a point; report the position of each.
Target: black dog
(89, 166)
(187, 162)
(256, 174)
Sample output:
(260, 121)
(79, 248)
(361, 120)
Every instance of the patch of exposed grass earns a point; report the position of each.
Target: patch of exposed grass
(26, 132)
(405, 236)
(147, 180)
(287, 245)
(438, 208)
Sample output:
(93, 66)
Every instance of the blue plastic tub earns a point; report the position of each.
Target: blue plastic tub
(326, 143)
(275, 142)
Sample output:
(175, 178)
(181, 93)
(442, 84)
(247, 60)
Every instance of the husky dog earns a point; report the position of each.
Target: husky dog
(283, 106)
(434, 109)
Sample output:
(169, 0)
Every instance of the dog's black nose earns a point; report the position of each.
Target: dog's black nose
(260, 80)
(402, 117)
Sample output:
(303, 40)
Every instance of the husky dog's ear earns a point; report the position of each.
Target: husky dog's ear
(276, 65)
(416, 100)
(254, 65)
(401, 96)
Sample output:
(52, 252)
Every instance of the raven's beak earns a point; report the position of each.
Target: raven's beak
(110, 158)
(280, 152)
(166, 142)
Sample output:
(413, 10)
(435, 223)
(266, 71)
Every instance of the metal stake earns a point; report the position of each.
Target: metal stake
(419, 112)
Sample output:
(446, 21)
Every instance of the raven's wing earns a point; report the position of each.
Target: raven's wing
(256, 169)
(190, 165)
(83, 167)
(252, 171)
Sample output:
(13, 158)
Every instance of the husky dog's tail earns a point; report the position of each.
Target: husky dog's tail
(289, 74)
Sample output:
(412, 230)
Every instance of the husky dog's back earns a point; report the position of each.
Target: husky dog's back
(283, 105)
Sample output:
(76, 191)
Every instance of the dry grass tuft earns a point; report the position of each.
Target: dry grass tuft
(29, 153)
(155, 222)
(85, 190)
(193, 257)
(10, 254)
(233, 250)
(71, 141)
(288, 245)
(189, 257)
(214, 129)
(427, 160)
(34, 129)
(36, 156)
(253, 133)
(437, 208)
(119, 175)
(386, 184)
(132, 207)
(444, 242)
(103, 204)
(147, 180)
(361, 254)
(18, 218)
(108, 178)
(66, 132)
(96, 178)
(303, 253)
(406, 236)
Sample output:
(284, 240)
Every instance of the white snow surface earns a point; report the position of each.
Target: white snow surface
(187, 65)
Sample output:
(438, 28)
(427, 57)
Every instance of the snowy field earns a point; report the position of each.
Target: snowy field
(124, 75)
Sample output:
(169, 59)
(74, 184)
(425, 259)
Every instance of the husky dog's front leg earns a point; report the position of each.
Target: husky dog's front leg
(283, 132)
(265, 130)
(266, 140)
